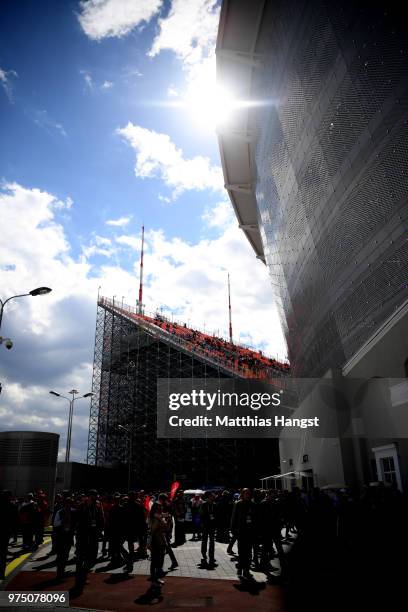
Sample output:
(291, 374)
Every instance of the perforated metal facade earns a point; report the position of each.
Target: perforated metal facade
(331, 158)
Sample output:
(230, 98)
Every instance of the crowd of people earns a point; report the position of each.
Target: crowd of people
(254, 364)
(326, 530)
(25, 515)
(123, 528)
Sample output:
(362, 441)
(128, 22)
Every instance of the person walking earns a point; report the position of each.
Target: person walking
(64, 528)
(196, 504)
(224, 512)
(157, 544)
(116, 532)
(89, 526)
(144, 501)
(58, 504)
(107, 504)
(9, 517)
(209, 524)
(41, 518)
(28, 516)
(244, 528)
(167, 517)
(270, 527)
(134, 527)
(179, 512)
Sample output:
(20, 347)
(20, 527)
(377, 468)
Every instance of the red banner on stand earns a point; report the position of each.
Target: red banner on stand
(173, 489)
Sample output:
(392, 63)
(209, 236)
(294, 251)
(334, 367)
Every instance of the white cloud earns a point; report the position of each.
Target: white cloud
(92, 84)
(44, 121)
(92, 250)
(29, 212)
(220, 216)
(172, 92)
(191, 280)
(158, 157)
(53, 335)
(64, 204)
(5, 81)
(115, 18)
(130, 72)
(129, 241)
(189, 30)
(98, 245)
(121, 222)
(164, 199)
(102, 241)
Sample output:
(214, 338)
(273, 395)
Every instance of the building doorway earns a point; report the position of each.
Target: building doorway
(386, 459)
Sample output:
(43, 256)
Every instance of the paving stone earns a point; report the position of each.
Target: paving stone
(188, 557)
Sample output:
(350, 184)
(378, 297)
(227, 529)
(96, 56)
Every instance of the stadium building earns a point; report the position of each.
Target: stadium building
(315, 163)
(134, 350)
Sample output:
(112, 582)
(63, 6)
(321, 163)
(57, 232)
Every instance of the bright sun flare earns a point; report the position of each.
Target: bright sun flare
(209, 107)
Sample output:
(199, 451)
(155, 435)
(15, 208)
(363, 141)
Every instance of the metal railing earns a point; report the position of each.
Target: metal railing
(264, 371)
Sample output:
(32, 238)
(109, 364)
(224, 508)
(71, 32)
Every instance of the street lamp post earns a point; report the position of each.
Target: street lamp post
(71, 401)
(33, 292)
(129, 434)
(69, 417)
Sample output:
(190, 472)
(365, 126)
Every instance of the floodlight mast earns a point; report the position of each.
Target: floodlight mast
(229, 309)
(71, 401)
(140, 305)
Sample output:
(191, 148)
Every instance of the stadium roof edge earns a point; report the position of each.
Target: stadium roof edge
(236, 55)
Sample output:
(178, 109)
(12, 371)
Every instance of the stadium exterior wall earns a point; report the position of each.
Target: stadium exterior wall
(329, 156)
(358, 462)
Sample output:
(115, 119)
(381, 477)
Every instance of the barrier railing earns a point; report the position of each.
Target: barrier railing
(175, 332)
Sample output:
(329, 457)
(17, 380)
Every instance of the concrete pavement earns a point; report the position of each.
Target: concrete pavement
(187, 588)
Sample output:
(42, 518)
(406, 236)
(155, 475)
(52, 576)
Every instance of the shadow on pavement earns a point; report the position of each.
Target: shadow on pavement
(152, 596)
(252, 587)
(38, 568)
(44, 584)
(117, 578)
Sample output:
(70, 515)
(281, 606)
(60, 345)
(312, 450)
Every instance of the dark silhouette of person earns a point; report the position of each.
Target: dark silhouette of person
(64, 528)
(9, 519)
(244, 528)
(208, 513)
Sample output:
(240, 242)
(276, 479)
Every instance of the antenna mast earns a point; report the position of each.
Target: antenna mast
(229, 309)
(141, 275)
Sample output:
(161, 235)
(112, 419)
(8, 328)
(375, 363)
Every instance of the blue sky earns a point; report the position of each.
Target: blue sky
(68, 124)
(107, 122)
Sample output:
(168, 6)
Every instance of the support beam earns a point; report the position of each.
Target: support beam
(243, 135)
(253, 60)
(248, 226)
(241, 187)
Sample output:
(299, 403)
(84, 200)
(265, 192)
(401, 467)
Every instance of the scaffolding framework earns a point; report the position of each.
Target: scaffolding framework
(131, 353)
